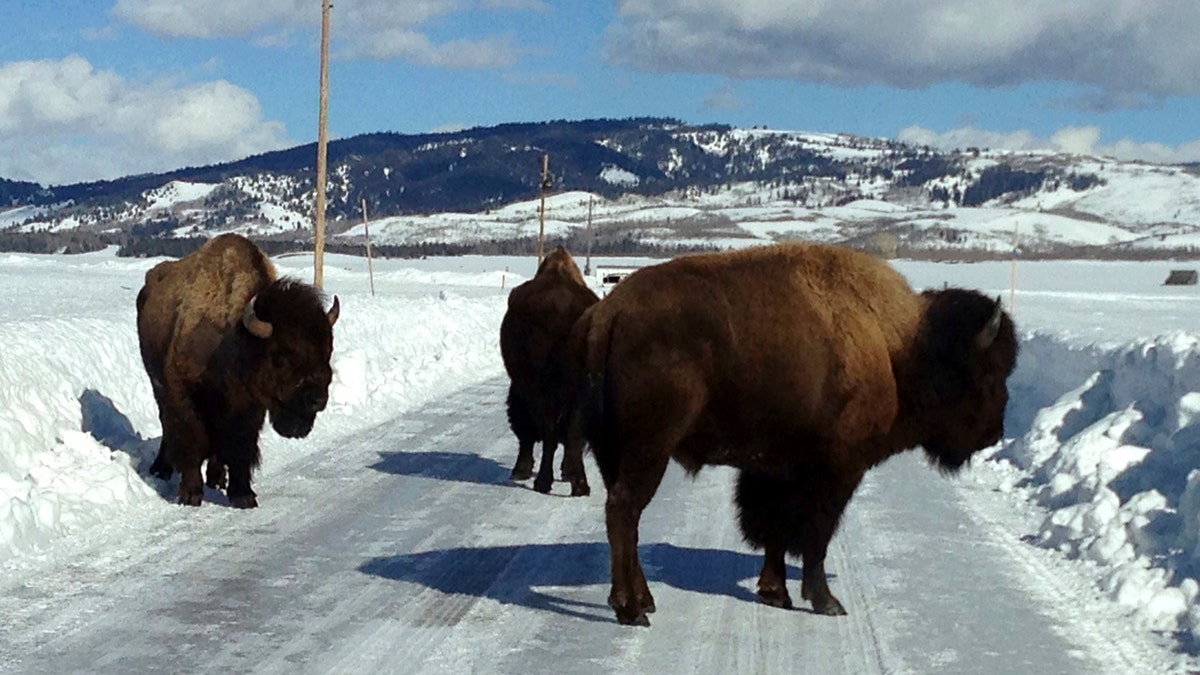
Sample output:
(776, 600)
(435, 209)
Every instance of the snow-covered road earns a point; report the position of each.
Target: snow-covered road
(406, 549)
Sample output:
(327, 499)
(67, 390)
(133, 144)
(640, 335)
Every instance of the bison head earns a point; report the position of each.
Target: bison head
(560, 262)
(289, 320)
(971, 348)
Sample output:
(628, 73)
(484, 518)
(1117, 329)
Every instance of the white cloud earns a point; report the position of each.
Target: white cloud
(1081, 140)
(1120, 46)
(376, 29)
(215, 18)
(64, 121)
(492, 52)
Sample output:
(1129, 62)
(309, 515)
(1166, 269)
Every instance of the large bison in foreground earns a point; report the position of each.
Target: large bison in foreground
(801, 365)
(225, 343)
(533, 340)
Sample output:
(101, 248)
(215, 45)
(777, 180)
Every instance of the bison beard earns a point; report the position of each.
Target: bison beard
(533, 337)
(226, 343)
(801, 365)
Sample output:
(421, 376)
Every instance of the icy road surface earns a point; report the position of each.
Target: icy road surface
(406, 549)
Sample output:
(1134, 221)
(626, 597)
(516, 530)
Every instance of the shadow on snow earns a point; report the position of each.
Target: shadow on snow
(519, 575)
(453, 466)
(112, 429)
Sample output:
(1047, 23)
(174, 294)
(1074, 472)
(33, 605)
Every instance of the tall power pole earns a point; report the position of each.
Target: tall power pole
(546, 183)
(587, 268)
(322, 145)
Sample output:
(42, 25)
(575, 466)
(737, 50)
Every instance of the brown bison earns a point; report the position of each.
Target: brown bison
(533, 337)
(801, 365)
(225, 342)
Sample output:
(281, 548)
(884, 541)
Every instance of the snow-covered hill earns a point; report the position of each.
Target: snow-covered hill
(664, 184)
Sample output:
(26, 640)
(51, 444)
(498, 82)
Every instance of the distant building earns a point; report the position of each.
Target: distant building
(1181, 278)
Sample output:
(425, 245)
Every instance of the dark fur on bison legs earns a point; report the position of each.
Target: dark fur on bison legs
(161, 467)
(523, 427)
(191, 487)
(214, 474)
(798, 515)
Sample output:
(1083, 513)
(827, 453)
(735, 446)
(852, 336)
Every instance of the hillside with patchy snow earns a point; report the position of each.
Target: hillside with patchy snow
(645, 185)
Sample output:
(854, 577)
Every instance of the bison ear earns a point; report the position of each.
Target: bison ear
(257, 327)
(987, 335)
(334, 311)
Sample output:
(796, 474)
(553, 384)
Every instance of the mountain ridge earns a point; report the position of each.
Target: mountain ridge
(806, 182)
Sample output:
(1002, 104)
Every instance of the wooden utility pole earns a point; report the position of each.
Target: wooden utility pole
(546, 183)
(1012, 274)
(587, 267)
(367, 235)
(322, 145)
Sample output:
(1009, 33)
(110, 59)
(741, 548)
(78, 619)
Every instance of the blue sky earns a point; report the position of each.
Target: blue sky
(94, 89)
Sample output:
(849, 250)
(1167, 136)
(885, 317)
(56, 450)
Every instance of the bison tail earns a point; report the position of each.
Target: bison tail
(595, 403)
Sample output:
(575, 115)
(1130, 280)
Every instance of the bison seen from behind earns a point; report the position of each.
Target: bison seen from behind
(533, 338)
(801, 365)
(226, 343)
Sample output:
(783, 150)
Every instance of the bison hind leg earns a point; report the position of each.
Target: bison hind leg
(162, 467)
(520, 420)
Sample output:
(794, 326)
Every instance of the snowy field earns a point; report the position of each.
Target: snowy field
(1095, 478)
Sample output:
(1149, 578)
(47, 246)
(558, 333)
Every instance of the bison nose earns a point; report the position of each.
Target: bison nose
(315, 399)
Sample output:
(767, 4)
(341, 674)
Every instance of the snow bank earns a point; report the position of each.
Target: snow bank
(78, 422)
(1107, 443)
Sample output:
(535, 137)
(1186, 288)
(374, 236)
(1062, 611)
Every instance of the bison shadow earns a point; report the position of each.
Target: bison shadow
(452, 466)
(112, 429)
(478, 572)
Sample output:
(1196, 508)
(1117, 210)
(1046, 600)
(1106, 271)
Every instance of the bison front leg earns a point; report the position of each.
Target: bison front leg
(241, 496)
(238, 451)
(825, 496)
(766, 515)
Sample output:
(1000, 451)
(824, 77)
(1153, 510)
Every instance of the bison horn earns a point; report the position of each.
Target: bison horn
(988, 334)
(256, 326)
(334, 311)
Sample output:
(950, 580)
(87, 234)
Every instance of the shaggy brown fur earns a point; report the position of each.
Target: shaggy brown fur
(214, 379)
(533, 338)
(803, 366)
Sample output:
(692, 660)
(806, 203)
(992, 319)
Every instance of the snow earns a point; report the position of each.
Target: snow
(1098, 476)
(615, 175)
(177, 192)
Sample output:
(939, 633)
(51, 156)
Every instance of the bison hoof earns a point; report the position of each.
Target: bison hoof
(580, 490)
(632, 615)
(542, 485)
(776, 598)
(244, 502)
(828, 606)
(521, 473)
(191, 499)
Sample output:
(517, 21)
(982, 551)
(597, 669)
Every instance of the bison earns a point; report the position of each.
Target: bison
(802, 366)
(225, 342)
(533, 337)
